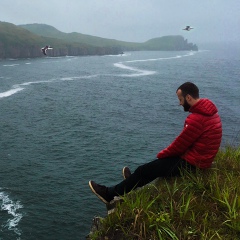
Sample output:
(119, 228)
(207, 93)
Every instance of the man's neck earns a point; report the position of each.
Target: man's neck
(194, 101)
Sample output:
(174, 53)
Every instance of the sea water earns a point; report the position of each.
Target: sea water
(67, 120)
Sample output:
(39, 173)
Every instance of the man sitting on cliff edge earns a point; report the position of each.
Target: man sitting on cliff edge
(194, 148)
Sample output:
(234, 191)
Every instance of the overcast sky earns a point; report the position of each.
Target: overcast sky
(131, 20)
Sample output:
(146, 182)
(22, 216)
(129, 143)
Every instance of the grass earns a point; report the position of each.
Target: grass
(201, 206)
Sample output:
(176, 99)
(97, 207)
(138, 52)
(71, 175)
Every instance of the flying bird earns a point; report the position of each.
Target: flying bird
(187, 28)
(44, 49)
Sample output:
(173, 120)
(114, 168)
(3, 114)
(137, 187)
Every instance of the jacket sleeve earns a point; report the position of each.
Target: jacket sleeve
(190, 133)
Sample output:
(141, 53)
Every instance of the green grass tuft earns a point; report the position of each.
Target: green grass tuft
(201, 206)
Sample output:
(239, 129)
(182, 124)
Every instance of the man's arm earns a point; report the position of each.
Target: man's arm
(190, 133)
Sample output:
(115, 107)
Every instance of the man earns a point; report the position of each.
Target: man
(195, 147)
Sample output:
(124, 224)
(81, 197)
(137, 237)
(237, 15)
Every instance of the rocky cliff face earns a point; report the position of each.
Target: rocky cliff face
(20, 42)
(97, 221)
(18, 51)
(169, 43)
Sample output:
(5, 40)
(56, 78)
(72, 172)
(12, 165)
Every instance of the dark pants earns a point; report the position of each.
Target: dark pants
(144, 174)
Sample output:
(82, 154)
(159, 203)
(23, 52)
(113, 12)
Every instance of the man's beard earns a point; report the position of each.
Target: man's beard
(186, 106)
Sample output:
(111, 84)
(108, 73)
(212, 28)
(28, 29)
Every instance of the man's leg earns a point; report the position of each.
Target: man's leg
(148, 172)
(143, 175)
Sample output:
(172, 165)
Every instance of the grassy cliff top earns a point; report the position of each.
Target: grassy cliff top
(42, 34)
(13, 35)
(202, 206)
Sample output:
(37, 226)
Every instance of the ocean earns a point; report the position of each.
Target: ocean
(67, 120)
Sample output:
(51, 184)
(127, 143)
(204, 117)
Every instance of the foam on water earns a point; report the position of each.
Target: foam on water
(10, 65)
(119, 55)
(10, 92)
(12, 208)
(140, 72)
(136, 73)
(19, 87)
(80, 77)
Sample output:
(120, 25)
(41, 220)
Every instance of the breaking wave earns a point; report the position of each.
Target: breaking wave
(136, 72)
(12, 209)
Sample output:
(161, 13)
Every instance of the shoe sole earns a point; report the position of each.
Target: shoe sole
(123, 173)
(100, 197)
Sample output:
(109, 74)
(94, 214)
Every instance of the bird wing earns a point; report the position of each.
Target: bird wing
(44, 51)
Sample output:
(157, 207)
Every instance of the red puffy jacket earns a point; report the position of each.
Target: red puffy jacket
(200, 138)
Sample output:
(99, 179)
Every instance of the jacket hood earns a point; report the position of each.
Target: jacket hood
(205, 107)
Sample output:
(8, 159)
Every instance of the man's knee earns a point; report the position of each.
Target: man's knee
(145, 171)
(138, 171)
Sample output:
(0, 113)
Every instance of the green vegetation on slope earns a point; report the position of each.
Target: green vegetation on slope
(169, 43)
(202, 206)
(49, 31)
(17, 42)
(162, 43)
(27, 41)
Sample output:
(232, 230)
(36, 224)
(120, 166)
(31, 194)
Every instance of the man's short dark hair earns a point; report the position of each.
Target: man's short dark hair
(189, 88)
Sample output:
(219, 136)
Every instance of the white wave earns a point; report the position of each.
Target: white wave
(29, 83)
(10, 65)
(191, 53)
(124, 54)
(137, 72)
(80, 77)
(117, 55)
(140, 72)
(70, 58)
(19, 87)
(12, 208)
(28, 63)
(10, 92)
(154, 59)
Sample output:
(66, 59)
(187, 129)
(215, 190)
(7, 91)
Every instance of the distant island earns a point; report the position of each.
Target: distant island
(26, 41)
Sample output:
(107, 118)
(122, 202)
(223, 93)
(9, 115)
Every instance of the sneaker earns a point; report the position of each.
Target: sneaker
(100, 191)
(126, 172)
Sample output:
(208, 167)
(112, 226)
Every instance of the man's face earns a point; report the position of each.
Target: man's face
(183, 101)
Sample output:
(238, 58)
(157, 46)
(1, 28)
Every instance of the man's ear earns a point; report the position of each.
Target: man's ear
(188, 97)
